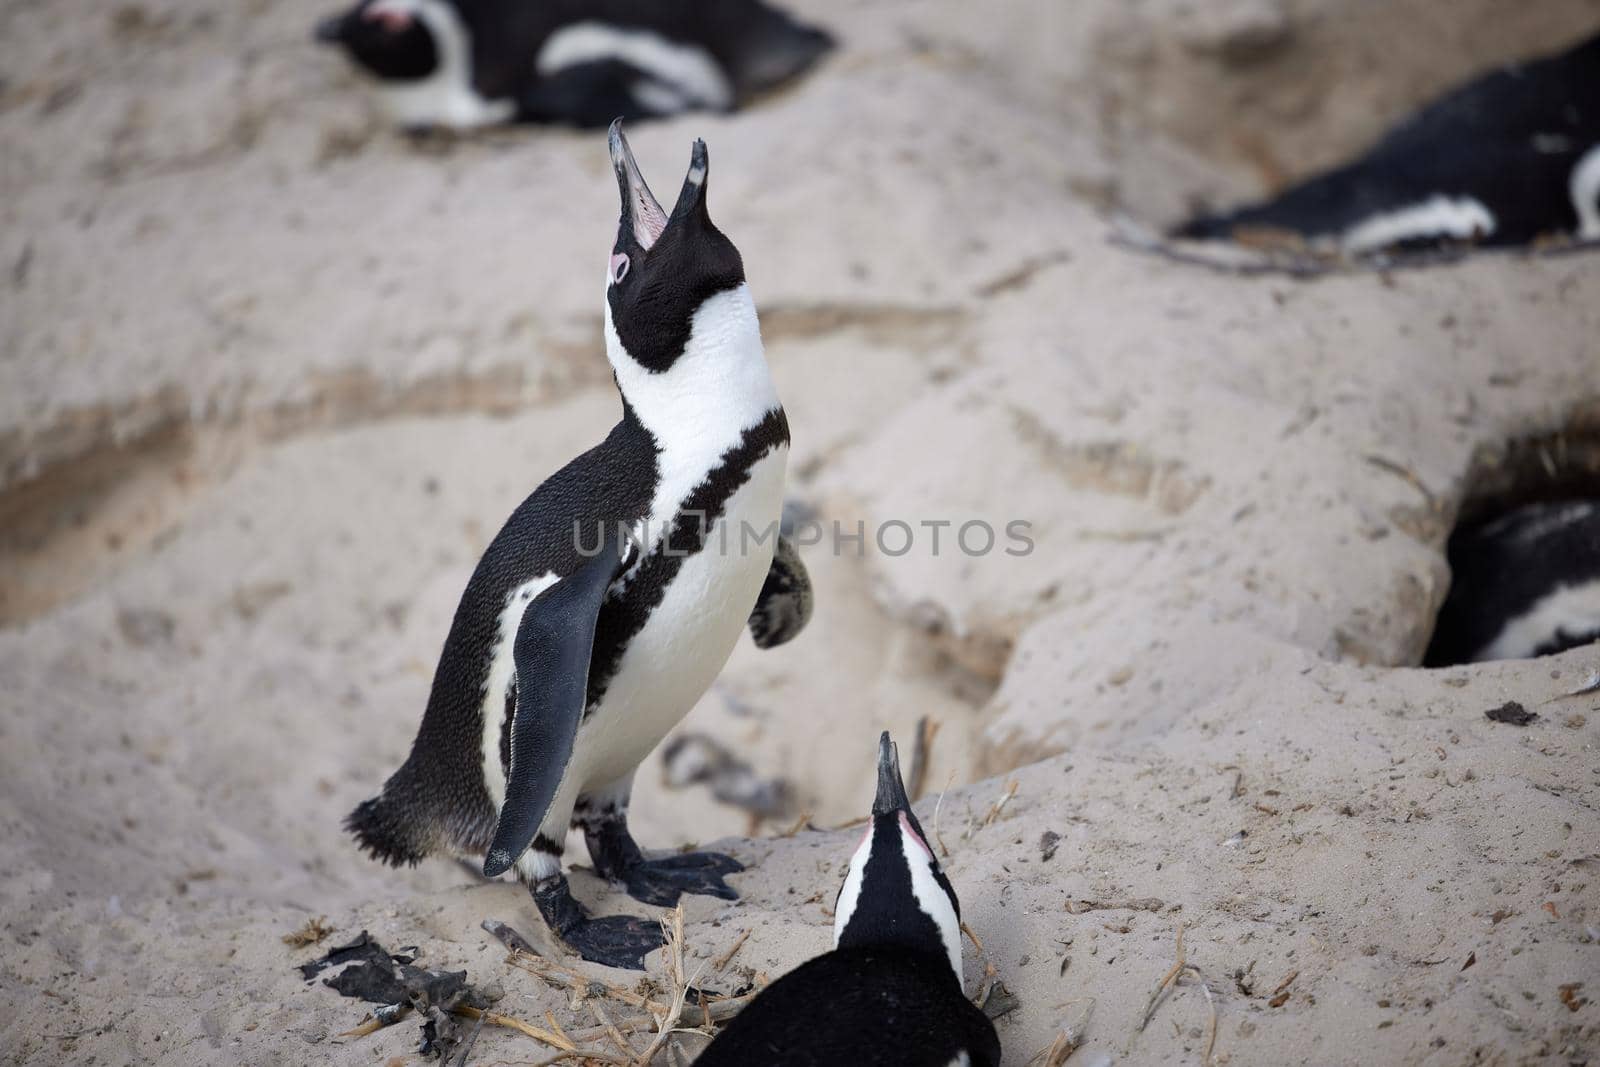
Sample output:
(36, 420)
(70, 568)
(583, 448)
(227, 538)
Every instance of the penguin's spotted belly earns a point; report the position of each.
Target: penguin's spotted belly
(689, 636)
(684, 642)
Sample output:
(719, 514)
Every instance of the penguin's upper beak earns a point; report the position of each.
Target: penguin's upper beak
(891, 790)
(642, 217)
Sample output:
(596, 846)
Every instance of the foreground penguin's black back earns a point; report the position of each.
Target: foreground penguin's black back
(1509, 139)
(859, 1006)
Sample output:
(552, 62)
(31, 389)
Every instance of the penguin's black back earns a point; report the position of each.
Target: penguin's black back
(437, 796)
(1502, 568)
(1498, 138)
(757, 45)
(867, 1007)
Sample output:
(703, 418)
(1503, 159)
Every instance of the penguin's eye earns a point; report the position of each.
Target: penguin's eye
(619, 267)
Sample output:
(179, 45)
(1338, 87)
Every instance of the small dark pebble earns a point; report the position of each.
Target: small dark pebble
(1511, 713)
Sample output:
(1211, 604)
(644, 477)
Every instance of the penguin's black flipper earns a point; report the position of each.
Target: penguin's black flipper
(784, 605)
(554, 642)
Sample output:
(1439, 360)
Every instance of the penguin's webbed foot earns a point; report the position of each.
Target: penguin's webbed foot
(613, 940)
(662, 881)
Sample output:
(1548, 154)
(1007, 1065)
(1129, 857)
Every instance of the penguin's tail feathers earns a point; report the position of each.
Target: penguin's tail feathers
(393, 827)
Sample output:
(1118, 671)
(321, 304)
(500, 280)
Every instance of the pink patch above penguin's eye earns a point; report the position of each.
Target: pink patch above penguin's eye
(619, 267)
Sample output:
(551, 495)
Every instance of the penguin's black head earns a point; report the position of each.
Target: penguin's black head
(895, 893)
(666, 267)
(388, 37)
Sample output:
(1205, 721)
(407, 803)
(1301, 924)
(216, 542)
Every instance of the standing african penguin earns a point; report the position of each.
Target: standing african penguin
(608, 602)
(893, 980)
(1507, 159)
(466, 63)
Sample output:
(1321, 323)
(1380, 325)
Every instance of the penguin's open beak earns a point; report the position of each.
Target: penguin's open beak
(642, 217)
(891, 790)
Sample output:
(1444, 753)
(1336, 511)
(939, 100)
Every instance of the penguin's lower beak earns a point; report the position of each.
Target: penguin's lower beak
(642, 217)
(891, 790)
(329, 30)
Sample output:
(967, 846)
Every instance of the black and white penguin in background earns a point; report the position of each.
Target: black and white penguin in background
(1507, 159)
(1523, 584)
(608, 602)
(461, 64)
(892, 983)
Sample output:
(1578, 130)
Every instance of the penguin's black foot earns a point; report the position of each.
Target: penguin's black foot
(664, 880)
(619, 860)
(613, 940)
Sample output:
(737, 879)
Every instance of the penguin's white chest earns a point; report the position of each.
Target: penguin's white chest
(690, 634)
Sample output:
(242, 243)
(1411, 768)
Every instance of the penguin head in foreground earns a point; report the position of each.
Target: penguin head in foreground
(675, 284)
(390, 38)
(895, 894)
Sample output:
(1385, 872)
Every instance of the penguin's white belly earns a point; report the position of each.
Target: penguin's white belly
(689, 636)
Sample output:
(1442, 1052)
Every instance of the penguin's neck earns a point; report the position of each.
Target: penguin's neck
(715, 391)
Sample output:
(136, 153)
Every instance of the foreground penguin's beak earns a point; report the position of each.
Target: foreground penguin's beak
(642, 216)
(891, 790)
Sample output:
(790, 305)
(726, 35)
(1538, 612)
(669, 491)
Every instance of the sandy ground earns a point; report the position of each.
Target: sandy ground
(271, 376)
